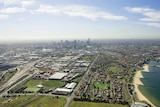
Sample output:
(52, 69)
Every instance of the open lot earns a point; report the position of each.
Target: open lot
(1, 74)
(77, 79)
(3, 99)
(92, 104)
(35, 101)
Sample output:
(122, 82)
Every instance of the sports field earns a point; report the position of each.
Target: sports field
(32, 89)
(45, 83)
(101, 85)
(114, 69)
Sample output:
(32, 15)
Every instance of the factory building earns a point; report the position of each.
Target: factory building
(71, 85)
(68, 89)
(58, 76)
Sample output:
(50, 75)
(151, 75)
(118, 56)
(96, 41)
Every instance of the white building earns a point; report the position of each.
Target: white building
(64, 91)
(71, 85)
(58, 76)
(139, 104)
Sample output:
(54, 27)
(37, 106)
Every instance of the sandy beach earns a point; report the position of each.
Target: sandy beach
(137, 82)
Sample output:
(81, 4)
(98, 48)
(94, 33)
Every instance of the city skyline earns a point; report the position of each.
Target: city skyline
(80, 19)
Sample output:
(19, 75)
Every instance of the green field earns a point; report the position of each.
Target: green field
(1, 74)
(114, 69)
(101, 85)
(77, 79)
(92, 104)
(87, 58)
(3, 99)
(35, 101)
(46, 83)
(32, 89)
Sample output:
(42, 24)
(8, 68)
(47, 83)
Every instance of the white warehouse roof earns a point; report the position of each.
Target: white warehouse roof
(65, 90)
(139, 104)
(58, 75)
(71, 85)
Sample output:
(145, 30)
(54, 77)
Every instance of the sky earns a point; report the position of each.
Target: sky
(79, 19)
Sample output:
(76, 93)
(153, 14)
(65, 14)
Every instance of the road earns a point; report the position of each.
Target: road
(70, 98)
(11, 83)
(37, 94)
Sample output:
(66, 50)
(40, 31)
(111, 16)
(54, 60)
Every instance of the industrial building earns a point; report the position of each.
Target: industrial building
(139, 104)
(71, 85)
(63, 91)
(58, 76)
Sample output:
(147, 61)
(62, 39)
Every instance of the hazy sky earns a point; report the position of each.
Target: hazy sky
(79, 19)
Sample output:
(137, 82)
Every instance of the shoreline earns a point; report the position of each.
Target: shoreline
(138, 82)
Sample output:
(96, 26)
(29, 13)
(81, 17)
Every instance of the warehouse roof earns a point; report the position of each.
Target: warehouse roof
(71, 85)
(58, 75)
(139, 104)
(65, 90)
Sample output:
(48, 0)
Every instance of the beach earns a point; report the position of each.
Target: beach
(138, 82)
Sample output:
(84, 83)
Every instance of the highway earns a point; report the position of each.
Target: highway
(38, 94)
(11, 83)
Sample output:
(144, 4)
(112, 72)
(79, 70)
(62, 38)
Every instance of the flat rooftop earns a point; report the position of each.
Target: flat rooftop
(71, 85)
(139, 104)
(58, 76)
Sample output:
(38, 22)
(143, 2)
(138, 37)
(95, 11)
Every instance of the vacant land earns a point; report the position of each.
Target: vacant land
(35, 101)
(46, 83)
(3, 99)
(92, 104)
(77, 79)
(1, 74)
